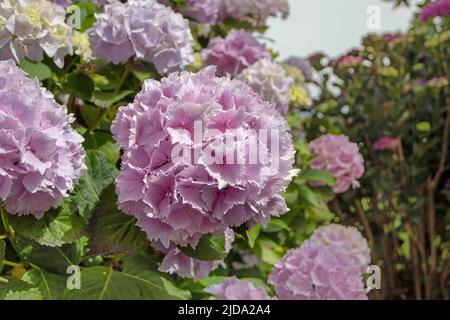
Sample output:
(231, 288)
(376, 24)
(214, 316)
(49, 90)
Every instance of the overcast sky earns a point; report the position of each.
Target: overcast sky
(332, 26)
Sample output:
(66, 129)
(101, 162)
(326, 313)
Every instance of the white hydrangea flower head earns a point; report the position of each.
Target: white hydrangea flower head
(30, 28)
(270, 81)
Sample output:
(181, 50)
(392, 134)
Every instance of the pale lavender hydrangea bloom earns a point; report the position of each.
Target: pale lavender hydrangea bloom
(256, 12)
(337, 155)
(348, 238)
(63, 3)
(30, 28)
(316, 271)
(179, 200)
(145, 29)
(204, 11)
(177, 262)
(41, 156)
(233, 54)
(235, 289)
(303, 64)
(66, 3)
(270, 81)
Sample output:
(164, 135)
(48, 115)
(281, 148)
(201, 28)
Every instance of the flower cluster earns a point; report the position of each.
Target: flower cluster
(82, 46)
(316, 271)
(270, 81)
(177, 198)
(438, 8)
(348, 61)
(177, 262)
(255, 12)
(233, 54)
(145, 29)
(327, 266)
(348, 238)
(339, 156)
(30, 28)
(235, 289)
(41, 156)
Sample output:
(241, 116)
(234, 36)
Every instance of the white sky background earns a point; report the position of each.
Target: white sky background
(332, 26)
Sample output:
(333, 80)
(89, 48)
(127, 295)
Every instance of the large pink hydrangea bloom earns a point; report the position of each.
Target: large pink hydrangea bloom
(235, 289)
(348, 238)
(317, 271)
(179, 200)
(41, 156)
(233, 54)
(339, 156)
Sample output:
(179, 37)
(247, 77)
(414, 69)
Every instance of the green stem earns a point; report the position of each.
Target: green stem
(3, 236)
(105, 111)
(10, 233)
(12, 264)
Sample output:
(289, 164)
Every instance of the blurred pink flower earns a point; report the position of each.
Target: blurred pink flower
(438, 8)
(317, 271)
(385, 143)
(348, 61)
(345, 237)
(337, 155)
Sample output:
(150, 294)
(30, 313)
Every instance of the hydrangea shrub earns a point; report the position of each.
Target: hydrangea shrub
(168, 151)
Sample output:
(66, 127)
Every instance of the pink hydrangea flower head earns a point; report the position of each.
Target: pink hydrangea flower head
(145, 29)
(235, 289)
(233, 54)
(317, 271)
(438, 8)
(255, 12)
(41, 156)
(386, 143)
(177, 179)
(270, 81)
(339, 156)
(348, 238)
(179, 263)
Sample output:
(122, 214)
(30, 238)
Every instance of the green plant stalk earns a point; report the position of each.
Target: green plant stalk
(12, 264)
(10, 233)
(105, 111)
